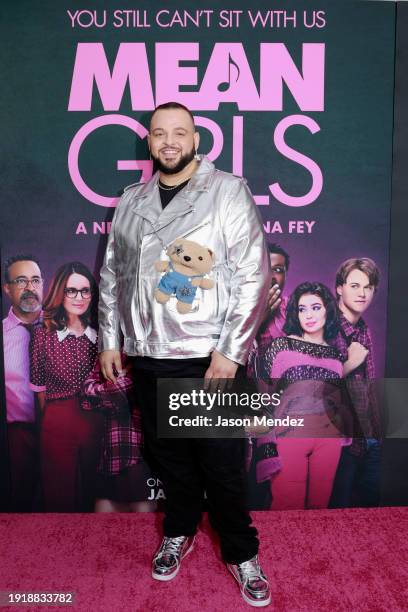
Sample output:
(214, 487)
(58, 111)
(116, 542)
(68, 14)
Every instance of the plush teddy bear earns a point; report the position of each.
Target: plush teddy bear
(189, 263)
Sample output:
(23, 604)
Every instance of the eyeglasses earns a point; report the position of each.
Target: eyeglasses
(22, 283)
(72, 293)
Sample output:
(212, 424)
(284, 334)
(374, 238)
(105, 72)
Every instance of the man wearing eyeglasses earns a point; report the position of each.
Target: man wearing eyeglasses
(24, 288)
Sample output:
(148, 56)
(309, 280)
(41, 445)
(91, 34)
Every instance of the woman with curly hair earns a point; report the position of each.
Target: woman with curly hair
(62, 354)
(307, 371)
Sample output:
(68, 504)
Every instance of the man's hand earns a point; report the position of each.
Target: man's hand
(274, 298)
(357, 353)
(220, 368)
(109, 360)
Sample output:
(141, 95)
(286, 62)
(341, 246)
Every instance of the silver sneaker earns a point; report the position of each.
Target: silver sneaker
(252, 581)
(167, 560)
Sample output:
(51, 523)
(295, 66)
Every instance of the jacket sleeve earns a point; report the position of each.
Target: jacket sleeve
(109, 337)
(248, 261)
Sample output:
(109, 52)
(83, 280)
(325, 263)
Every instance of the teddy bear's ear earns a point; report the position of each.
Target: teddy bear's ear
(211, 253)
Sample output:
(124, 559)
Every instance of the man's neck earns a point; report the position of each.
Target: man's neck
(175, 179)
(26, 317)
(352, 317)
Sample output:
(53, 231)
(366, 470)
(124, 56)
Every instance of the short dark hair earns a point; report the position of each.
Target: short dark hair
(364, 264)
(14, 259)
(332, 325)
(171, 106)
(275, 248)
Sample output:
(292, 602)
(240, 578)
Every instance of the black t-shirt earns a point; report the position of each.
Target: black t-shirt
(188, 367)
(166, 194)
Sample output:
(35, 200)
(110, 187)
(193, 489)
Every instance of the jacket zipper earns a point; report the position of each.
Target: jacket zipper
(140, 297)
(194, 229)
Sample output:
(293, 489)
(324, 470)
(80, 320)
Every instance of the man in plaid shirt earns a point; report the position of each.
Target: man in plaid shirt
(358, 473)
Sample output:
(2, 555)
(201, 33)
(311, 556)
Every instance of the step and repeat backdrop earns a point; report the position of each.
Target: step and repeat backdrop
(297, 98)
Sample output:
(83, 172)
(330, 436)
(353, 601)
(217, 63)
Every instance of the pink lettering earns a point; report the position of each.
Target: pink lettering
(237, 145)
(130, 65)
(307, 87)
(216, 132)
(75, 147)
(170, 75)
(227, 79)
(299, 158)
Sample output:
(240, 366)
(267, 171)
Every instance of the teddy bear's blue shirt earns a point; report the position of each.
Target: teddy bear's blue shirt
(175, 283)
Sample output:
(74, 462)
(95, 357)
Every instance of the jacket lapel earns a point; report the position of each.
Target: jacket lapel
(147, 202)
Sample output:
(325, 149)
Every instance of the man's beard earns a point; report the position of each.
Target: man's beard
(29, 302)
(181, 164)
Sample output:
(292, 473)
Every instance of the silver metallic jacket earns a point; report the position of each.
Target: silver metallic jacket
(215, 209)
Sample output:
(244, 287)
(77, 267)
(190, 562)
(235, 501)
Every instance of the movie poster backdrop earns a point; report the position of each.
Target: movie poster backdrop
(297, 98)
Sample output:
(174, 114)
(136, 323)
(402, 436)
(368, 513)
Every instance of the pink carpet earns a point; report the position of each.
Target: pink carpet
(319, 560)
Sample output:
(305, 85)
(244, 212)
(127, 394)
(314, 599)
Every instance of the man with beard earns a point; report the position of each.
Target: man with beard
(188, 198)
(24, 287)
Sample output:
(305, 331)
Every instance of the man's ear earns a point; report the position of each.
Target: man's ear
(6, 289)
(196, 140)
(339, 290)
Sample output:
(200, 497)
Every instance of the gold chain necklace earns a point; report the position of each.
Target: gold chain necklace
(161, 185)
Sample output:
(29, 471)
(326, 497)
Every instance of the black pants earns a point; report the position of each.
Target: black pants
(259, 493)
(24, 454)
(357, 481)
(187, 467)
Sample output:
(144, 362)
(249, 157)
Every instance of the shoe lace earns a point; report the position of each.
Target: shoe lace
(250, 570)
(171, 546)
